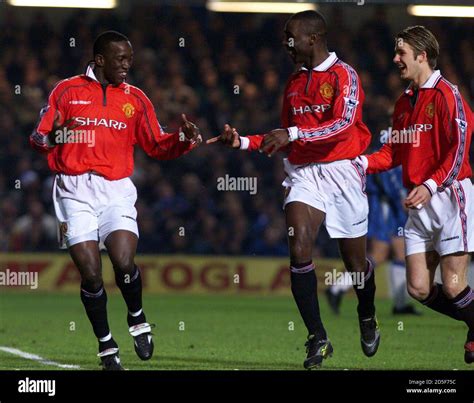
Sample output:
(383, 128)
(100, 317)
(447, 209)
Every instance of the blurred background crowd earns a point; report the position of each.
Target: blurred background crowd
(191, 60)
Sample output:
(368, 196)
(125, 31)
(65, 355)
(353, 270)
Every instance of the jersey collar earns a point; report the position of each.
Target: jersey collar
(90, 71)
(324, 66)
(430, 83)
(91, 75)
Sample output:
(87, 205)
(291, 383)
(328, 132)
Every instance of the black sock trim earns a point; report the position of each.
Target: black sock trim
(464, 298)
(105, 345)
(300, 265)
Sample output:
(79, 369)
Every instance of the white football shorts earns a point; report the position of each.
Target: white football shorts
(90, 207)
(445, 224)
(336, 188)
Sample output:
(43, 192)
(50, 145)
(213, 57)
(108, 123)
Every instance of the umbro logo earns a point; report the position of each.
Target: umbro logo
(360, 222)
(79, 102)
(127, 216)
(450, 239)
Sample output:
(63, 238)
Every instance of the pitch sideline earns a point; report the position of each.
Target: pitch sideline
(37, 358)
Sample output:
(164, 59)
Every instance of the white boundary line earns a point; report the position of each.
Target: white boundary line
(37, 358)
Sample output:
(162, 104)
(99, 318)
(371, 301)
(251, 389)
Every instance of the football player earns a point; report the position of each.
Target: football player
(436, 173)
(321, 132)
(88, 130)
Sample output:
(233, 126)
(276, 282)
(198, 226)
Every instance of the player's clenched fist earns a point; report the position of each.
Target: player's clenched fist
(274, 140)
(230, 137)
(418, 197)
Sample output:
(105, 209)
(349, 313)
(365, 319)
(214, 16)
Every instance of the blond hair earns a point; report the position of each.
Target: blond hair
(421, 40)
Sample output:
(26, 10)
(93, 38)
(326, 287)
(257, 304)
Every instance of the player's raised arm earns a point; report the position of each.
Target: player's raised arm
(160, 145)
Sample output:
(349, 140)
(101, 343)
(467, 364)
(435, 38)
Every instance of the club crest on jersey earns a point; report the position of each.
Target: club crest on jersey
(326, 90)
(430, 110)
(128, 109)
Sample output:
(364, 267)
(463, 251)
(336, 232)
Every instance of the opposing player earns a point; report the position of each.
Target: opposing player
(440, 225)
(387, 217)
(322, 131)
(89, 129)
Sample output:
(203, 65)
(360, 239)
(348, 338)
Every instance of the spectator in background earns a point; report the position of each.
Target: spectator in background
(34, 231)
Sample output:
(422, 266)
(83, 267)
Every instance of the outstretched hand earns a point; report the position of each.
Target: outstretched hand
(190, 130)
(229, 137)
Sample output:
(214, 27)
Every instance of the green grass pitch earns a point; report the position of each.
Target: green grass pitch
(209, 332)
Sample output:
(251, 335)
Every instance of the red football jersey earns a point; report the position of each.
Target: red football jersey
(110, 121)
(438, 124)
(322, 110)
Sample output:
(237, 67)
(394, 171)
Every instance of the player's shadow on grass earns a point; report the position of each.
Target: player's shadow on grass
(232, 364)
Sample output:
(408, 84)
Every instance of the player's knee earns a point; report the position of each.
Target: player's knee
(124, 264)
(356, 265)
(418, 291)
(92, 280)
(300, 249)
(451, 290)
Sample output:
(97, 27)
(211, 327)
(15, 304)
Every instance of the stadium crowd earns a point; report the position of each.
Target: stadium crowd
(216, 68)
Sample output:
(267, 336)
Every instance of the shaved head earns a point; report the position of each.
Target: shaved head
(305, 38)
(104, 40)
(311, 22)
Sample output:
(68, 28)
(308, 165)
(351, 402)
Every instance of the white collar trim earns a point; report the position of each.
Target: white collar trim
(90, 71)
(330, 60)
(430, 83)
